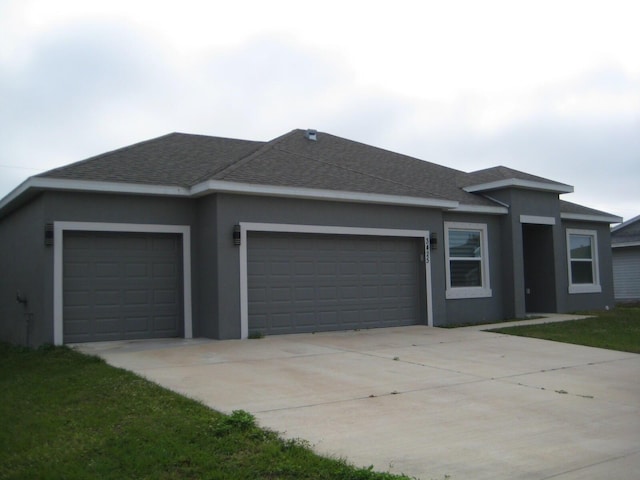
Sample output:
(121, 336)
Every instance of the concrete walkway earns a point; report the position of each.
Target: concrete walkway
(427, 402)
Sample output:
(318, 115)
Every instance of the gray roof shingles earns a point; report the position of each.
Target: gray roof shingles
(331, 163)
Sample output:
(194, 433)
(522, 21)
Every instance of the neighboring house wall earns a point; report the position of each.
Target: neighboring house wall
(626, 273)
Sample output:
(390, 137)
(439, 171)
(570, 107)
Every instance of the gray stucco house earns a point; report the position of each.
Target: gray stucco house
(197, 236)
(625, 242)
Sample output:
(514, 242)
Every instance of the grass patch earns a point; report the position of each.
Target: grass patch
(617, 329)
(69, 415)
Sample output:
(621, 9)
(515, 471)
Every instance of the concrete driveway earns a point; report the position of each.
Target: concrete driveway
(426, 402)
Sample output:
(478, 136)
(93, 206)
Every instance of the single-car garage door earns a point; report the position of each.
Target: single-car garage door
(120, 286)
(309, 283)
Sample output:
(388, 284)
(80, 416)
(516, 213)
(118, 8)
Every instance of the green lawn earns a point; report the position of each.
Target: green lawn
(67, 415)
(617, 329)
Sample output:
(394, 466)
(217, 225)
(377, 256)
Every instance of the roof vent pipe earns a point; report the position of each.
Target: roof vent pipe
(311, 135)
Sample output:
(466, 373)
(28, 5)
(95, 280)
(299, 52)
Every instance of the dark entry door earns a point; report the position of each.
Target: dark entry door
(539, 268)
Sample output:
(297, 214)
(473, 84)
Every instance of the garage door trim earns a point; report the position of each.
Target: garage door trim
(58, 237)
(325, 230)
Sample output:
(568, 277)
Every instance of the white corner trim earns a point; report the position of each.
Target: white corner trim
(519, 183)
(58, 248)
(220, 186)
(537, 220)
(591, 218)
(246, 227)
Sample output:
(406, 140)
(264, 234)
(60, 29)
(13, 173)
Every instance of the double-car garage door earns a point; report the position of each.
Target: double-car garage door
(309, 282)
(121, 286)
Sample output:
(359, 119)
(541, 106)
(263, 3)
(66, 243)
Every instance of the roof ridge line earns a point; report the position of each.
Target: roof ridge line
(239, 163)
(360, 172)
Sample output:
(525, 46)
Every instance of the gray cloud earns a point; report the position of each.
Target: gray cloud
(91, 88)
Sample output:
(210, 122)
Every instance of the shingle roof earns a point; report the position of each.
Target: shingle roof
(501, 173)
(174, 159)
(627, 232)
(330, 163)
(335, 163)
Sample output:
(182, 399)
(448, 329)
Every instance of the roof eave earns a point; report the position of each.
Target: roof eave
(519, 183)
(38, 184)
(220, 186)
(625, 244)
(590, 218)
(491, 210)
(625, 224)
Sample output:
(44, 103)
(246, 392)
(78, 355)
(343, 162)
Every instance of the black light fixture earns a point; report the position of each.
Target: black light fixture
(433, 241)
(48, 234)
(236, 235)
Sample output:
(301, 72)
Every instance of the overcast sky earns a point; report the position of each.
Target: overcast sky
(548, 87)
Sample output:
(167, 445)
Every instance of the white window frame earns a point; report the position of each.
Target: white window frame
(469, 292)
(594, 287)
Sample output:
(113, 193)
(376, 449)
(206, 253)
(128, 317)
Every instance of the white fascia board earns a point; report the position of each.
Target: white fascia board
(591, 218)
(480, 209)
(15, 193)
(519, 183)
(626, 244)
(218, 186)
(107, 187)
(537, 220)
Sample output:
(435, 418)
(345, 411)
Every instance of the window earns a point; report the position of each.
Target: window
(583, 261)
(467, 260)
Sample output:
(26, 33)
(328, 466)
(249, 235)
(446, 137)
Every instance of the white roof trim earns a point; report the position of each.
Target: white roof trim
(624, 224)
(519, 183)
(480, 209)
(537, 220)
(211, 186)
(40, 183)
(591, 218)
(625, 244)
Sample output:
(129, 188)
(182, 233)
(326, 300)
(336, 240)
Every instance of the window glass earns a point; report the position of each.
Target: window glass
(466, 273)
(464, 243)
(580, 246)
(581, 272)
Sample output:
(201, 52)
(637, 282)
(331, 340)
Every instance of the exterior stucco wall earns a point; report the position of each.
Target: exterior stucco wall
(233, 209)
(26, 228)
(575, 302)
(536, 204)
(23, 259)
(460, 311)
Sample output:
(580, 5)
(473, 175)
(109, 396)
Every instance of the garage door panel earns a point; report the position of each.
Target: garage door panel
(121, 286)
(331, 282)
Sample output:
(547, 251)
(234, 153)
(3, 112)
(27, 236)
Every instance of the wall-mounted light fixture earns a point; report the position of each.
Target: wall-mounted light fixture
(236, 234)
(433, 241)
(48, 234)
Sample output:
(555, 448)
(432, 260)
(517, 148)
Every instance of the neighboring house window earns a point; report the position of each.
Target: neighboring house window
(467, 260)
(582, 248)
